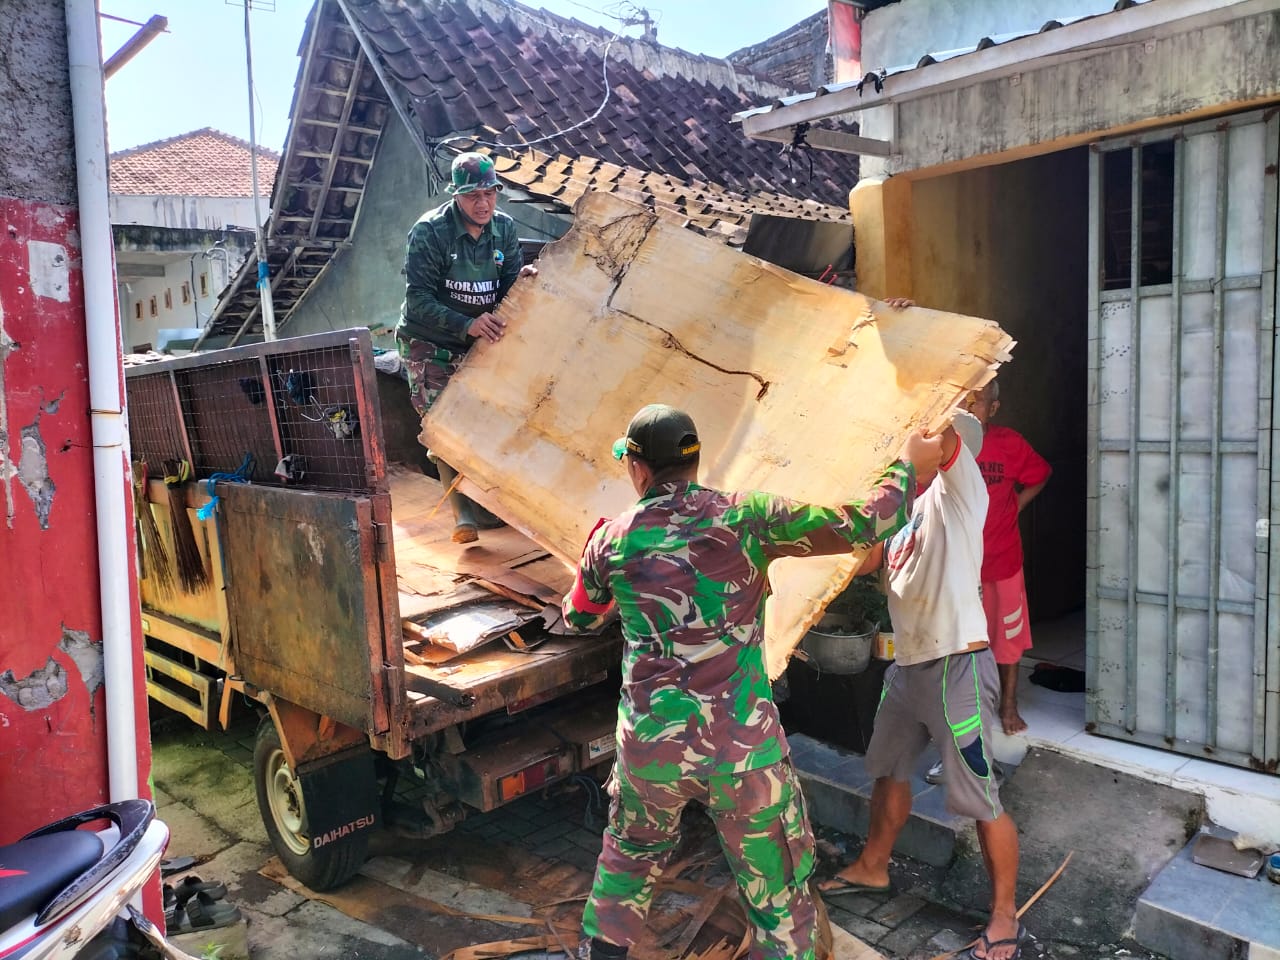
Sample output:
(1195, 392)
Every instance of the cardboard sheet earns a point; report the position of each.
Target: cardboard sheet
(796, 387)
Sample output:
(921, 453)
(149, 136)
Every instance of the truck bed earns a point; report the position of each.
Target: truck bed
(436, 574)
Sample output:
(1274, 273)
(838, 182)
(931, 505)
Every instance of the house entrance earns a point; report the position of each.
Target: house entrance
(1011, 242)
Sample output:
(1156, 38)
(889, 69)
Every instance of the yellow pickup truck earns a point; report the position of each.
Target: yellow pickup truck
(389, 661)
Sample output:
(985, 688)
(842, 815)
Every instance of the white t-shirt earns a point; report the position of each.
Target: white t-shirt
(934, 566)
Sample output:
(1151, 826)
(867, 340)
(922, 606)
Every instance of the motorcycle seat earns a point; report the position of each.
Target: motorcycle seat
(33, 871)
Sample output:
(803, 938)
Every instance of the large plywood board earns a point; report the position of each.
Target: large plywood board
(796, 387)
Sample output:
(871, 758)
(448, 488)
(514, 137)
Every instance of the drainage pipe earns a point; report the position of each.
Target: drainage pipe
(111, 474)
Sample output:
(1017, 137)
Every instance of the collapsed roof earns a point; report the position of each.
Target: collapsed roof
(519, 81)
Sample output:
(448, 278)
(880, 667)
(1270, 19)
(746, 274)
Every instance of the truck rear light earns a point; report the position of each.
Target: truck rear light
(530, 778)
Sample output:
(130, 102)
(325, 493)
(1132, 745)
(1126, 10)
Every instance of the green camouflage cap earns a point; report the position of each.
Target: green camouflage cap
(659, 435)
(473, 171)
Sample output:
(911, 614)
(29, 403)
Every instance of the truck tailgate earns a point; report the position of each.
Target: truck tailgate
(303, 597)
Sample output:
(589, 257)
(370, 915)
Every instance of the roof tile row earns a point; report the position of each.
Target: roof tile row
(467, 73)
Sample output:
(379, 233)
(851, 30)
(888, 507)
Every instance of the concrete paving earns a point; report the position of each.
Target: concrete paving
(203, 785)
(1120, 831)
(204, 788)
(1194, 912)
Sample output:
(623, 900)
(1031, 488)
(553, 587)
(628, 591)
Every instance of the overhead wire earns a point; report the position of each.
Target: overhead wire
(625, 21)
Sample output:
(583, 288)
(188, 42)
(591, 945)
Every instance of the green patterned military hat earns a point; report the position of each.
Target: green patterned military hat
(473, 171)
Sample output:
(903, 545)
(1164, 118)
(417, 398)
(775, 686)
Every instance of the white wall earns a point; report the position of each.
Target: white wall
(135, 293)
(900, 34)
(1217, 61)
(191, 213)
(897, 36)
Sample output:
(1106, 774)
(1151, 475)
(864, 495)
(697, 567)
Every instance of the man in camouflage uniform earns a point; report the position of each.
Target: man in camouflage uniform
(686, 568)
(462, 258)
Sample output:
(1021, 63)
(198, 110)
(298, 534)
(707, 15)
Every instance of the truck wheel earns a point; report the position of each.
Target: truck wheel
(284, 814)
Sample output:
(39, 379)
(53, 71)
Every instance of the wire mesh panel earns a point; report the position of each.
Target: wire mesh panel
(225, 412)
(304, 409)
(319, 415)
(155, 425)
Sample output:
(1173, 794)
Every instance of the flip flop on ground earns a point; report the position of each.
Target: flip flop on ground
(838, 886)
(988, 945)
(176, 865)
(202, 912)
(191, 884)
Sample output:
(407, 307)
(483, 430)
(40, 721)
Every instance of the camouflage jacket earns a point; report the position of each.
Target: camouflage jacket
(687, 569)
(452, 277)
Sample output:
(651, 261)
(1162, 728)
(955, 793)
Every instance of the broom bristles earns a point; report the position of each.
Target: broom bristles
(153, 556)
(191, 570)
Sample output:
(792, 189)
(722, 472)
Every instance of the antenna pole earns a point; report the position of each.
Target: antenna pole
(260, 245)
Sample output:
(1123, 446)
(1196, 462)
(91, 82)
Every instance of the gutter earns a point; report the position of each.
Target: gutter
(111, 473)
(1074, 41)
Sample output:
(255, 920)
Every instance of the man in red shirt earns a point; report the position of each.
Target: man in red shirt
(1014, 473)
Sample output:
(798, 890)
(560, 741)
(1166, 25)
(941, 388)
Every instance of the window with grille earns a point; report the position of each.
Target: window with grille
(1155, 217)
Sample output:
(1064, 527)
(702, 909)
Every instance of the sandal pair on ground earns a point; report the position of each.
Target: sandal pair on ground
(191, 904)
(840, 887)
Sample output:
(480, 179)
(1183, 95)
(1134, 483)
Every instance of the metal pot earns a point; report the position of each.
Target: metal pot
(839, 653)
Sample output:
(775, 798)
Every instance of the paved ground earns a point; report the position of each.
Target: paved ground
(204, 787)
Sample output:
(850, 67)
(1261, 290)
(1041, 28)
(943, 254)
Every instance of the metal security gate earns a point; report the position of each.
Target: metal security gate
(1183, 629)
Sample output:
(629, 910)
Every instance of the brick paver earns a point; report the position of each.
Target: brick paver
(911, 924)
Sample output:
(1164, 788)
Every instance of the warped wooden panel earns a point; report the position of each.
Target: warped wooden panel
(796, 387)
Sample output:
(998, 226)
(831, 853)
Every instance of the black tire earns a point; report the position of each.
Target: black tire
(284, 815)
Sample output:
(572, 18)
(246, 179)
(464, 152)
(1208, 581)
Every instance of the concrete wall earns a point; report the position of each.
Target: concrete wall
(38, 159)
(189, 213)
(1009, 243)
(796, 57)
(52, 700)
(363, 285)
(901, 33)
(1190, 70)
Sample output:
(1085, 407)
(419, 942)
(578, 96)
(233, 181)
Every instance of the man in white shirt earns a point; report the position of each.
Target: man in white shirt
(943, 685)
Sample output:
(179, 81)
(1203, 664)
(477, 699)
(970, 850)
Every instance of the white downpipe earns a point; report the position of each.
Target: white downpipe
(111, 473)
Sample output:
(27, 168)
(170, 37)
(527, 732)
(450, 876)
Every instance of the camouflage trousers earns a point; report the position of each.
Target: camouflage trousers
(764, 834)
(428, 369)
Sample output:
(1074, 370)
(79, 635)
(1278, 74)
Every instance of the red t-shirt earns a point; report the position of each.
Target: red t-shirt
(1008, 464)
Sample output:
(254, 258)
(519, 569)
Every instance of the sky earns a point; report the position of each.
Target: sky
(194, 75)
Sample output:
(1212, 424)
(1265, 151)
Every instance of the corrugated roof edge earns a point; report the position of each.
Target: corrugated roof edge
(930, 58)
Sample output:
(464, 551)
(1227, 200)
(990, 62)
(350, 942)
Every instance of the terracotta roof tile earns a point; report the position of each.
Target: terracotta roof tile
(525, 73)
(707, 208)
(203, 163)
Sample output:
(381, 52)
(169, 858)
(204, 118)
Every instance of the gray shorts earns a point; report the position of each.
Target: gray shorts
(954, 701)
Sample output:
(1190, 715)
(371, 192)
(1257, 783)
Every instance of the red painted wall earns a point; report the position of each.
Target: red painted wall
(52, 699)
(53, 755)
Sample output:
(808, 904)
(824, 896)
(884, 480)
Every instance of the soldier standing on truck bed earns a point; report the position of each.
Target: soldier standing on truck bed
(461, 260)
(686, 568)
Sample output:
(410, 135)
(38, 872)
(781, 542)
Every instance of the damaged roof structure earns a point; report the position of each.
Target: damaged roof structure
(532, 89)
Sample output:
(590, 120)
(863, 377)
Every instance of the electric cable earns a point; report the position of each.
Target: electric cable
(608, 90)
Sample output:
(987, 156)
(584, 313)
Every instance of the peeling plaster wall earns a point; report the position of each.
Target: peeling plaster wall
(38, 159)
(52, 698)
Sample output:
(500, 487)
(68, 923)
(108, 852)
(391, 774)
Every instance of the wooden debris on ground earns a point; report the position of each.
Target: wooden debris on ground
(696, 915)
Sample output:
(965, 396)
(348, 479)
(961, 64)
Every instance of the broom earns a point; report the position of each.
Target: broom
(153, 556)
(191, 572)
